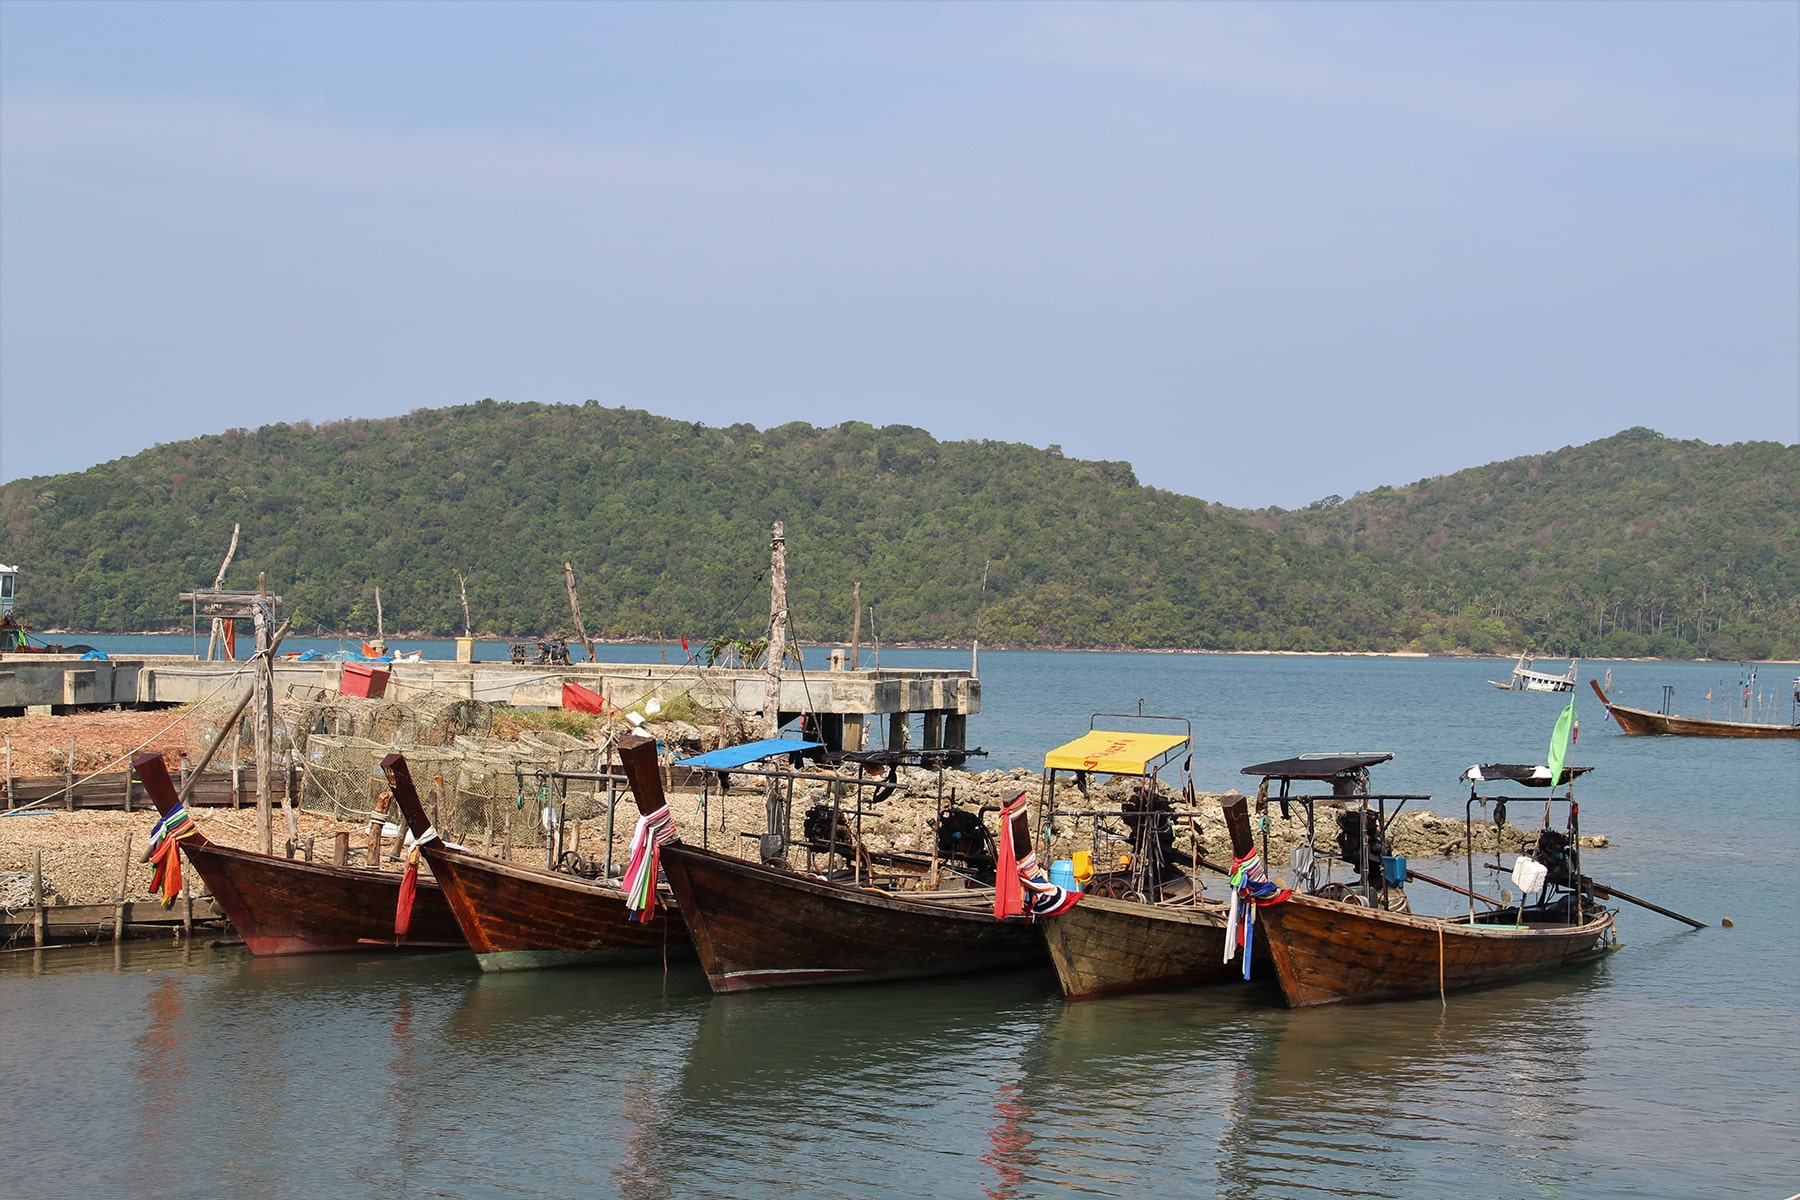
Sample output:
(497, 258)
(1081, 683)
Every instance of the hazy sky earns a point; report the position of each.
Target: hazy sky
(1264, 252)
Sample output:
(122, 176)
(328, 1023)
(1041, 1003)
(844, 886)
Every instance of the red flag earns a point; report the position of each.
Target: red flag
(582, 699)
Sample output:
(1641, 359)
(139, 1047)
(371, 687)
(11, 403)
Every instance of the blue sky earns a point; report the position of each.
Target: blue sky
(1264, 252)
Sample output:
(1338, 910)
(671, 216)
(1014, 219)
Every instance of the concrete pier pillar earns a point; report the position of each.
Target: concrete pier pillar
(853, 731)
(934, 730)
(956, 731)
(897, 730)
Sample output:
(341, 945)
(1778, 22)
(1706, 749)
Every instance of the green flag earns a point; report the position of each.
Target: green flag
(1559, 742)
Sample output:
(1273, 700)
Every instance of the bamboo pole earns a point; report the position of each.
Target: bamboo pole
(218, 624)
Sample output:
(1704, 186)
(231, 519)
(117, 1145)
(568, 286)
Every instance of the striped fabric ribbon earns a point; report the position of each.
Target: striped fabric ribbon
(640, 875)
(165, 852)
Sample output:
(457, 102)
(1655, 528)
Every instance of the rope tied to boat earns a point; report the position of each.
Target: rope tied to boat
(639, 883)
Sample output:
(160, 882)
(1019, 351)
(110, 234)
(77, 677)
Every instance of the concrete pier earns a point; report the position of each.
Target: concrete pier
(846, 702)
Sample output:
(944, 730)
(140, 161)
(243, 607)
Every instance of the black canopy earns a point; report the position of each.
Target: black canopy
(1322, 767)
(1521, 773)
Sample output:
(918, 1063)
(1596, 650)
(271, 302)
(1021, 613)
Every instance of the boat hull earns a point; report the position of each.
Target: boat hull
(1641, 721)
(282, 906)
(1103, 947)
(755, 927)
(1326, 952)
(519, 918)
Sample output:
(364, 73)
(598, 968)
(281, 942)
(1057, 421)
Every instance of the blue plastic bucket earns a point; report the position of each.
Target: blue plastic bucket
(1062, 874)
(1394, 867)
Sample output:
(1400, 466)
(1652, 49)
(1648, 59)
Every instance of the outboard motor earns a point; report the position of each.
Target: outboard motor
(1355, 828)
(1150, 818)
(962, 838)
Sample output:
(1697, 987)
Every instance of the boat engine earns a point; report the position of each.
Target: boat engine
(1150, 818)
(1554, 852)
(817, 830)
(1355, 827)
(962, 838)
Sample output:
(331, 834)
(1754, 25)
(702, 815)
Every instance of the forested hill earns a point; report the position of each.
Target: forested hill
(1633, 545)
(667, 525)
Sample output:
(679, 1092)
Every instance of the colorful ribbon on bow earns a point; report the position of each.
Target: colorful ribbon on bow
(1251, 890)
(164, 851)
(1020, 886)
(640, 875)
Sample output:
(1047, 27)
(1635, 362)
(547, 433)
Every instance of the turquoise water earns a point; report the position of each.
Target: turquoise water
(1670, 1069)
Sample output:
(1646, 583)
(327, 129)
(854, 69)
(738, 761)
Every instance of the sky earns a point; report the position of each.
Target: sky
(1265, 253)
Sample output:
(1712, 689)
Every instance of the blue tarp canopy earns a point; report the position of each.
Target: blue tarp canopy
(737, 756)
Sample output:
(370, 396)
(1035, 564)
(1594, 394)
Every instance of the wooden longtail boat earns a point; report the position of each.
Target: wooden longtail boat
(763, 927)
(1643, 721)
(758, 926)
(283, 906)
(520, 918)
(1148, 937)
(1352, 951)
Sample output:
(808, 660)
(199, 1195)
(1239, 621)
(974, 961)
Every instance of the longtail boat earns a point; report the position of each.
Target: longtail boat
(282, 906)
(759, 926)
(1643, 721)
(1364, 945)
(519, 917)
(1148, 927)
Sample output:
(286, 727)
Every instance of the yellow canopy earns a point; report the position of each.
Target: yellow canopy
(1114, 753)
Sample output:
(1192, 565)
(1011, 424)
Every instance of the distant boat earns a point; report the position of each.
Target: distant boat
(1639, 720)
(1525, 678)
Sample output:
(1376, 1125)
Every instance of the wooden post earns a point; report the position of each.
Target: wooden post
(237, 772)
(506, 839)
(462, 584)
(218, 625)
(9, 774)
(855, 623)
(69, 777)
(124, 882)
(341, 852)
(263, 709)
(1237, 823)
(128, 785)
(771, 713)
(40, 920)
(375, 844)
(575, 610)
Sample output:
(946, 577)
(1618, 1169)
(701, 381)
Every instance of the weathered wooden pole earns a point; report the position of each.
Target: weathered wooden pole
(856, 625)
(778, 614)
(263, 715)
(218, 625)
(124, 883)
(575, 610)
(40, 919)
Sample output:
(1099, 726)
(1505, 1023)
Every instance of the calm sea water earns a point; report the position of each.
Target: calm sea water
(1671, 1069)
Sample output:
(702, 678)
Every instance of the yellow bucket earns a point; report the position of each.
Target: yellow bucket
(1084, 865)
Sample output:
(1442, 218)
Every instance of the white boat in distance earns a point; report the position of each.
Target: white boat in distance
(1526, 679)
